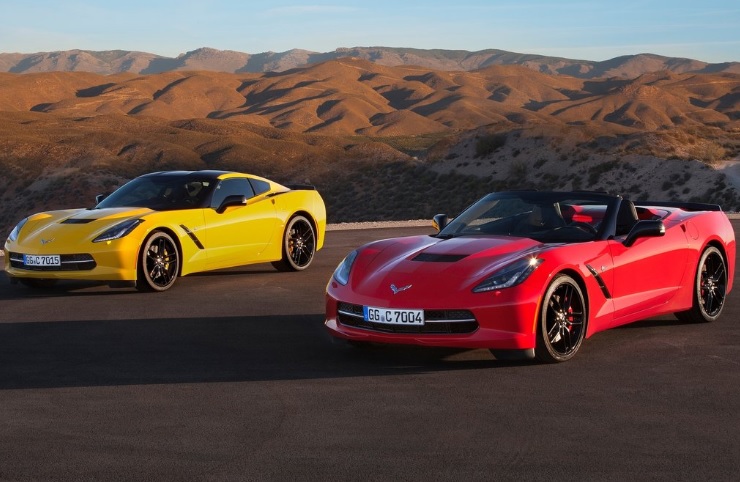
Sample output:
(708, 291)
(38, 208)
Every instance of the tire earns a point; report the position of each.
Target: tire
(562, 321)
(159, 263)
(299, 245)
(710, 288)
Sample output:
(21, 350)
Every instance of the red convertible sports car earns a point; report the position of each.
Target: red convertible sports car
(532, 274)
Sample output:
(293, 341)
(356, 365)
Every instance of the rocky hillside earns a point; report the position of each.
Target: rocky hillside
(120, 61)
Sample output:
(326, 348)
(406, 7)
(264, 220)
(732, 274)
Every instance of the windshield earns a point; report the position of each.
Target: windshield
(546, 217)
(161, 193)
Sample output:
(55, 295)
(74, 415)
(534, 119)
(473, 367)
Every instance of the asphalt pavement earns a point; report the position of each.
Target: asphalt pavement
(231, 376)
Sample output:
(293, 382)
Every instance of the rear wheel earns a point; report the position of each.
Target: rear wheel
(299, 245)
(159, 263)
(562, 321)
(710, 288)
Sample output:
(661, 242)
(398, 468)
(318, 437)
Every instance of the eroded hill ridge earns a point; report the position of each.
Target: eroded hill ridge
(357, 97)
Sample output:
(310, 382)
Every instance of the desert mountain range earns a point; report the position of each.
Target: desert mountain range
(357, 97)
(380, 142)
(119, 61)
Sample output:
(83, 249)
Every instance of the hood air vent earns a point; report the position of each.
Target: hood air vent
(439, 258)
(76, 221)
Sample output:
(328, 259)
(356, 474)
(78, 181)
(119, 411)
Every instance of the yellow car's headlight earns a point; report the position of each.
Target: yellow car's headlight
(17, 230)
(119, 230)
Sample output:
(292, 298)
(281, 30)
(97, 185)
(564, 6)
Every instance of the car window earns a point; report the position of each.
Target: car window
(259, 186)
(161, 193)
(231, 187)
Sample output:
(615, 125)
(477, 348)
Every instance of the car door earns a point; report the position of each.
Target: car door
(237, 234)
(647, 274)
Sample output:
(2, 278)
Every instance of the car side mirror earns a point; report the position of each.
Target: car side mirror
(233, 200)
(99, 198)
(439, 222)
(645, 229)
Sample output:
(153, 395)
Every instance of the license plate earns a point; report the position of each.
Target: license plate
(391, 316)
(41, 260)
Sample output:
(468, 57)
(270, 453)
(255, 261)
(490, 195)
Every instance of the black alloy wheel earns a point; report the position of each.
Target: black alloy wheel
(562, 325)
(710, 288)
(159, 263)
(299, 245)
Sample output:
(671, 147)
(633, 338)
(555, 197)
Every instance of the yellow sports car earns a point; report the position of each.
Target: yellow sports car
(167, 224)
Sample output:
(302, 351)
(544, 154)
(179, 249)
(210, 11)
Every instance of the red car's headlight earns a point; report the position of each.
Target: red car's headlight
(510, 275)
(341, 274)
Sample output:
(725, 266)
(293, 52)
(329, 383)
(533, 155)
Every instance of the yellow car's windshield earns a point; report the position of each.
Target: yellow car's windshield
(161, 193)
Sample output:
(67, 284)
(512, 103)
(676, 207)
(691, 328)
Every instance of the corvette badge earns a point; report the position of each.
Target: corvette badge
(397, 290)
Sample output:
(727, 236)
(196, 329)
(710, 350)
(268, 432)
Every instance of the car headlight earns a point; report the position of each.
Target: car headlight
(341, 274)
(510, 275)
(17, 230)
(119, 230)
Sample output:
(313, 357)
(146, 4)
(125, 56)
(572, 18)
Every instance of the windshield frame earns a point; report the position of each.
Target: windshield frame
(169, 191)
(472, 223)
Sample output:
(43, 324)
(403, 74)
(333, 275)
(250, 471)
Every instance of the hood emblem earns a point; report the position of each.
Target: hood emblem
(397, 290)
(46, 241)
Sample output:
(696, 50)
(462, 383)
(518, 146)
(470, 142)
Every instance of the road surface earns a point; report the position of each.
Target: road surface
(231, 376)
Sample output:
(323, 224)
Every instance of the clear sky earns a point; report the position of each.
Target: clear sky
(707, 30)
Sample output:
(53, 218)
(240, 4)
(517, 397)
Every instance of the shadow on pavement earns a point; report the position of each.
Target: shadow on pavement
(201, 350)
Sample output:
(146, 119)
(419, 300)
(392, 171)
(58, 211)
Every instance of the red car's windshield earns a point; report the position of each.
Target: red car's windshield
(545, 217)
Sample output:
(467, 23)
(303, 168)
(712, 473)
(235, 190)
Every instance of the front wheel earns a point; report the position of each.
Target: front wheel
(299, 245)
(159, 263)
(710, 288)
(562, 321)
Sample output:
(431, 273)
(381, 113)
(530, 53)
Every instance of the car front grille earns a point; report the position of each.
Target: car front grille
(69, 262)
(436, 321)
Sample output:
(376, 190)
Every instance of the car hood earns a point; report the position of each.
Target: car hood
(433, 265)
(74, 226)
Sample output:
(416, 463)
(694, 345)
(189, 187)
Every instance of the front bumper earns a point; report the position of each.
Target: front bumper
(106, 262)
(505, 325)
